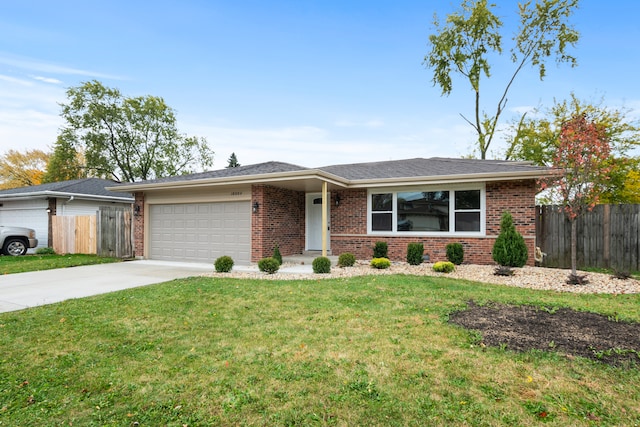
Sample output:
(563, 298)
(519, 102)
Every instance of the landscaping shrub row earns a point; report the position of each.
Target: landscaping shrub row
(509, 250)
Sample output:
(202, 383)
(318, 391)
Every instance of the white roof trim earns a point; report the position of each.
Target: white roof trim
(44, 194)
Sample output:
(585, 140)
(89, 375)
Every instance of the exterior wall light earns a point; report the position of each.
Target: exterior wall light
(337, 200)
(256, 206)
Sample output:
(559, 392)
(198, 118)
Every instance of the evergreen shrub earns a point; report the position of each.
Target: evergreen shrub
(444, 267)
(380, 250)
(509, 248)
(380, 263)
(224, 264)
(276, 254)
(346, 260)
(455, 253)
(269, 265)
(321, 265)
(415, 252)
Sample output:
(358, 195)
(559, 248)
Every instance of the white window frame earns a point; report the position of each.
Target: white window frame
(451, 188)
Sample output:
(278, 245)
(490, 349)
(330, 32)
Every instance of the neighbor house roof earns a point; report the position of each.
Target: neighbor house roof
(357, 175)
(88, 188)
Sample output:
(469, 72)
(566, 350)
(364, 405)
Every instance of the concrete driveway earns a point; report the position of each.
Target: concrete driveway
(24, 290)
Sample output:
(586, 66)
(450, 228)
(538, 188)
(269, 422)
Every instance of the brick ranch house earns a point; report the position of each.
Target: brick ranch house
(244, 212)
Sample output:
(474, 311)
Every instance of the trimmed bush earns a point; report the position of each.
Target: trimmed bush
(380, 250)
(509, 248)
(269, 265)
(444, 267)
(380, 263)
(321, 265)
(276, 254)
(455, 253)
(45, 251)
(346, 260)
(414, 253)
(224, 264)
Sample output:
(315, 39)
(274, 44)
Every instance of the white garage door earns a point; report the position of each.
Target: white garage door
(200, 232)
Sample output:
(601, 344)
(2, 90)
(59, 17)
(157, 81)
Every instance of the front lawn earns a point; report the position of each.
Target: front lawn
(371, 350)
(21, 264)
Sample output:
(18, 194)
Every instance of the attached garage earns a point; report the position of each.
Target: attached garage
(200, 232)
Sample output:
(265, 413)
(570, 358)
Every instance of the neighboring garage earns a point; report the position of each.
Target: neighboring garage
(200, 232)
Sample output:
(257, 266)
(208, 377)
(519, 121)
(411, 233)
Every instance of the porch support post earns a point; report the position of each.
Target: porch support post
(324, 218)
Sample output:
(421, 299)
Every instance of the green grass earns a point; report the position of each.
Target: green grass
(21, 264)
(371, 350)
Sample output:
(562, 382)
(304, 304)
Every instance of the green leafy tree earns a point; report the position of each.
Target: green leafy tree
(471, 38)
(537, 138)
(66, 162)
(630, 191)
(509, 249)
(129, 138)
(233, 161)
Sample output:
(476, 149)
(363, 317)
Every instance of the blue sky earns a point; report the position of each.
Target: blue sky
(309, 82)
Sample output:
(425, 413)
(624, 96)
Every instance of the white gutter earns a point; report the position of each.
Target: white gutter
(452, 179)
(43, 194)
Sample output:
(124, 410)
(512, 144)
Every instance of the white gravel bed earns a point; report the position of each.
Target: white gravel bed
(526, 277)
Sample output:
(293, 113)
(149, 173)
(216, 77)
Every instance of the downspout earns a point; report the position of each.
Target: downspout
(65, 204)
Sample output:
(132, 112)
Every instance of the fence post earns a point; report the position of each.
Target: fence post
(606, 236)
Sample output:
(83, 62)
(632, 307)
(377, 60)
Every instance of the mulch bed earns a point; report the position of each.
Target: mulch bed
(574, 333)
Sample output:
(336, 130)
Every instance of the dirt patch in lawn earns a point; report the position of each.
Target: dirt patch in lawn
(574, 333)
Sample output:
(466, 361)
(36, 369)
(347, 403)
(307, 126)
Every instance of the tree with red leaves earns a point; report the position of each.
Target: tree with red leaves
(584, 154)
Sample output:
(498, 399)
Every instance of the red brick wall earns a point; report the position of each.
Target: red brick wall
(349, 226)
(518, 197)
(350, 217)
(138, 226)
(280, 219)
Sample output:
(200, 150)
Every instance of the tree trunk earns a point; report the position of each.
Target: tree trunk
(574, 246)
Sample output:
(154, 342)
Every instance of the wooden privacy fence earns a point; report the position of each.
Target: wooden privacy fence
(115, 233)
(74, 234)
(607, 237)
(108, 233)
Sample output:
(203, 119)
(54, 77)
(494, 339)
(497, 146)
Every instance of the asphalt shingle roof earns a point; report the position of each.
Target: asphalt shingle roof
(86, 187)
(398, 169)
(435, 166)
(257, 169)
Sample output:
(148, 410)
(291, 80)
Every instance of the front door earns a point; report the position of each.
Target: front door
(314, 222)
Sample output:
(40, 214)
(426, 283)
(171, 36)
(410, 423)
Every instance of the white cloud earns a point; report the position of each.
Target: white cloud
(15, 80)
(46, 67)
(47, 80)
(29, 114)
